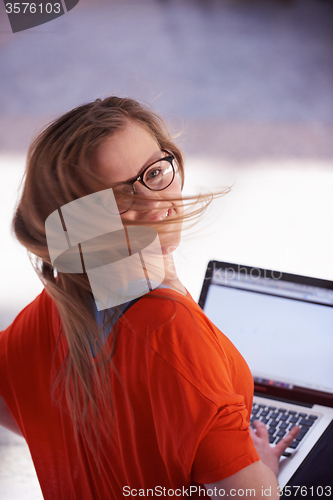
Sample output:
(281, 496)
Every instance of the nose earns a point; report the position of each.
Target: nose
(146, 199)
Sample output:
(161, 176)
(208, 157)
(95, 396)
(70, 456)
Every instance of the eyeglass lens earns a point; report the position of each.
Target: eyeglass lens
(157, 177)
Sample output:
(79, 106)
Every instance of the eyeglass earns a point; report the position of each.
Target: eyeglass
(156, 177)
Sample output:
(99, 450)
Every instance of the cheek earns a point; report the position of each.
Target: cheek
(128, 217)
(174, 191)
(176, 185)
(170, 234)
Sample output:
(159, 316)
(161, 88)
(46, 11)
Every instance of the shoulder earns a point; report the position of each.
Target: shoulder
(161, 305)
(27, 327)
(174, 336)
(165, 316)
(167, 310)
(37, 310)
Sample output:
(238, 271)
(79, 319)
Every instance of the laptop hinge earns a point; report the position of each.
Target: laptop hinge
(285, 400)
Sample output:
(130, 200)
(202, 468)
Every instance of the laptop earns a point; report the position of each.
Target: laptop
(283, 326)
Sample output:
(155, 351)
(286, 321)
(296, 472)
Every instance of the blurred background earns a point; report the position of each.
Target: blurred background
(248, 83)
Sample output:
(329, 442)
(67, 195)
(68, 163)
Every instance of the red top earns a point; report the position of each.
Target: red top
(181, 410)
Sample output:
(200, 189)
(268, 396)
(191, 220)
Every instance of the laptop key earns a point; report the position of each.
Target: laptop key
(279, 421)
(306, 422)
(281, 433)
(300, 436)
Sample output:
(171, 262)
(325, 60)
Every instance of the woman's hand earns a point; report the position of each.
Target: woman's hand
(270, 455)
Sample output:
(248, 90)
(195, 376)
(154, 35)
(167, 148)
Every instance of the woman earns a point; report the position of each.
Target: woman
(147, 394)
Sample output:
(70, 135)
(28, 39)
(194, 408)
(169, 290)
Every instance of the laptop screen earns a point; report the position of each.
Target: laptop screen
(282, 324)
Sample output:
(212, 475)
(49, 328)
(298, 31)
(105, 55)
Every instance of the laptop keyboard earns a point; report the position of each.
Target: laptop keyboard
(279, 421)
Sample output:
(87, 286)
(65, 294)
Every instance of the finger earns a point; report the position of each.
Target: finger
(252, 432)
(261, 429)
(287, 440)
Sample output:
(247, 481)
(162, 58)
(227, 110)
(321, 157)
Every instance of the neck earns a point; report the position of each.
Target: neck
(171, 278)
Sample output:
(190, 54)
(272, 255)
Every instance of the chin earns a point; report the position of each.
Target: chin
(169, 242)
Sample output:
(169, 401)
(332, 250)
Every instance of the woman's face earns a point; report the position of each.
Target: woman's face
(124, 156)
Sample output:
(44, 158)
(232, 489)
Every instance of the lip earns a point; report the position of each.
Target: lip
(160, 215)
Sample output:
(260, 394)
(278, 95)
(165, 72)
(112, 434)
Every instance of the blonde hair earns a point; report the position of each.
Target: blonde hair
(59, 170)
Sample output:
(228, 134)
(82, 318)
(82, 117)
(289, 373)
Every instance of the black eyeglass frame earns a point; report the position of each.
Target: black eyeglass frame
(170, 158)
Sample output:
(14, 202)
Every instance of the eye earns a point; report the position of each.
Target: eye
(124, 197)
(154, 173)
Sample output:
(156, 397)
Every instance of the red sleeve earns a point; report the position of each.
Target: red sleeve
(224, 450)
